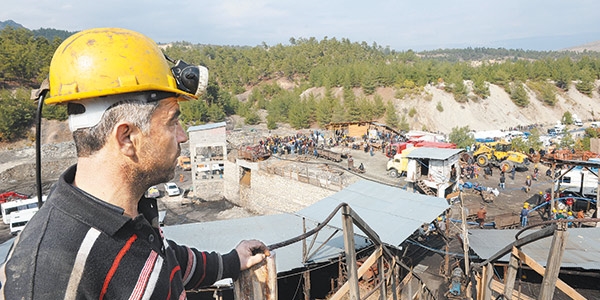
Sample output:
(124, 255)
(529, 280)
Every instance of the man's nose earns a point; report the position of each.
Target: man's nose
(181, 135)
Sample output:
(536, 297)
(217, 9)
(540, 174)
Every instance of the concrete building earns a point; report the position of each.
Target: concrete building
(208, 153)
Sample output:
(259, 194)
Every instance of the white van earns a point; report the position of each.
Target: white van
(595, 124)
(18, 205)
(18, 219)
(577, 121)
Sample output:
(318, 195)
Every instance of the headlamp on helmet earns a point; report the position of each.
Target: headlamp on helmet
(191, 79)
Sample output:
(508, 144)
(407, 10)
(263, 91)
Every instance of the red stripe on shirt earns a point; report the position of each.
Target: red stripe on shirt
(173, 272)
(115, 265)
(203, 269)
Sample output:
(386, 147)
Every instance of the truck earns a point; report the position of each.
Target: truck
(397, 166)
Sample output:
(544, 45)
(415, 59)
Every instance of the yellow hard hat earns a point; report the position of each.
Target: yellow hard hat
(570, 213)
(110, 61)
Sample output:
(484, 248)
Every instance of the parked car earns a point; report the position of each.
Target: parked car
(172, 189)
(153, 192)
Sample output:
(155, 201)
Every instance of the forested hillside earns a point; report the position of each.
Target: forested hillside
(313, 82)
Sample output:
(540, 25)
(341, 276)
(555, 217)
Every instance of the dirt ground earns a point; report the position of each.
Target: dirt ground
(507, 205)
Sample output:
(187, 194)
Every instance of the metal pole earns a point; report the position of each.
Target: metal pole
(552, 205)
(447, 247)
(597, 203)
(382, 281)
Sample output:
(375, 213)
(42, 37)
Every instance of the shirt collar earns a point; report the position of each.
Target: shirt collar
(100, 214)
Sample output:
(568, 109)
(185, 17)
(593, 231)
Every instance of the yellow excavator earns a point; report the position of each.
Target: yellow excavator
(499, 154)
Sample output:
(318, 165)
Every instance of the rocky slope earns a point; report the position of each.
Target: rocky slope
(496, 112)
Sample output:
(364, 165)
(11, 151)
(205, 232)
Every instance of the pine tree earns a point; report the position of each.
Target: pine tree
(391, 118)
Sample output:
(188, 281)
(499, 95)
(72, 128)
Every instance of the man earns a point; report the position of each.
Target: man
(527, 186)
(481, 213)
(350, 162)
(524, 214)
(513, 172)
(96, 236)
(570, 217)
(580, 216)
(540, 198)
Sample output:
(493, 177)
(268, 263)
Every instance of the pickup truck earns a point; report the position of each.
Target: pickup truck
(184, 163)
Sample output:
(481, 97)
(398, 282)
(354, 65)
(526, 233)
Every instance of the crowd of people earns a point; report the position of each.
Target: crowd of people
(473, 172)
(306, 143)
(562, 210)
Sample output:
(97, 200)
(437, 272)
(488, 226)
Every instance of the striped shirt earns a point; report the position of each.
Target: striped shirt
(79, 247)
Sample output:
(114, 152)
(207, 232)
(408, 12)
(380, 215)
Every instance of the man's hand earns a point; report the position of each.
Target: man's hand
(251, 252)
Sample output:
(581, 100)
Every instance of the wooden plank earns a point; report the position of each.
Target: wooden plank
(486, 288)
(557, 248)
(350, 250)
(361, 271)
(498, 287)
(561, 285)
(453, 195)
(511, 275)
(258, 282)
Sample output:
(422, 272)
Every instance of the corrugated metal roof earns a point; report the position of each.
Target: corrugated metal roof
(391, 212)
(206, 126)
(394, 214)
(5, 248)
(581, 251)
(434, 153)
(223, 236)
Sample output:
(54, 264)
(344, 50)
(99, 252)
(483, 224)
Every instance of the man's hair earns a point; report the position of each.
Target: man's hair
(91, 139)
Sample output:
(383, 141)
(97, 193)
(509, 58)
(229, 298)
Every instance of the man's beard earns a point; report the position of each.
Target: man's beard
(152, 169)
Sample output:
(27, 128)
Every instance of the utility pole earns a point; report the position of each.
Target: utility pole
(557, 248)
(348, 227)
(465, 242)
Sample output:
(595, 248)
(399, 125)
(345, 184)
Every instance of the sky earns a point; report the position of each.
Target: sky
(397, 24)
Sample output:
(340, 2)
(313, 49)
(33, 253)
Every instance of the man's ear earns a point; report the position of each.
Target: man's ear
(126, 138)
